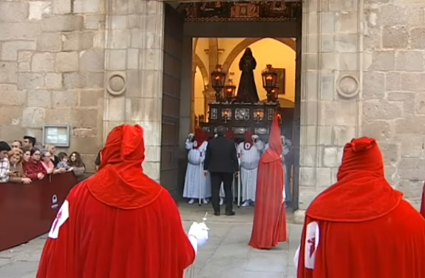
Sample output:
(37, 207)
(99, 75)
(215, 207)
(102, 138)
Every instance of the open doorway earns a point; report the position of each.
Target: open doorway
(214, 36)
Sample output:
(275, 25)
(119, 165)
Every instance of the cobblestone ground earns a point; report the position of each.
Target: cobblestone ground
(225, 255)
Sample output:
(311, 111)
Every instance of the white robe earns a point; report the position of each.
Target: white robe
(248, 160)
(196, 185)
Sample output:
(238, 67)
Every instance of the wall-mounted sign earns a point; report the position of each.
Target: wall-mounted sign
(57, 135)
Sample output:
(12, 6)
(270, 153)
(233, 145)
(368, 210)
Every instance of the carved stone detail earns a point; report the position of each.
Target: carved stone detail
(117, 83)
(347, 86)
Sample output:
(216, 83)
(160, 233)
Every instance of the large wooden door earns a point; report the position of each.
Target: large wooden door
(173, 40)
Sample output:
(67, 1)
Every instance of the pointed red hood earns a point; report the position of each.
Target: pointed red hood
(362, 192)
(248, 140)
(275, 149)
(200, 138)
(120, 181)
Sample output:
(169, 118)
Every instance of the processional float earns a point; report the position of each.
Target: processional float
(243, 111)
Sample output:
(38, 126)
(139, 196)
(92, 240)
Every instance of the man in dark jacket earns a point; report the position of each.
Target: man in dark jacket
(222, 162)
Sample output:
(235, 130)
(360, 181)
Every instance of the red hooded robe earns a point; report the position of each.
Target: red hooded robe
(360, 227)
(120, 222)
(248, 142)
(270, 226)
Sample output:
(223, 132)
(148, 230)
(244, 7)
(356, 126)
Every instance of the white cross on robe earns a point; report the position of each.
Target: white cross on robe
(61, 217)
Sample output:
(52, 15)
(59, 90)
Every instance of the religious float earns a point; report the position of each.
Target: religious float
(241, 110)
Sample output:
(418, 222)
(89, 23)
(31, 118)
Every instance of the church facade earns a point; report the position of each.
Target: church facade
(95, 64)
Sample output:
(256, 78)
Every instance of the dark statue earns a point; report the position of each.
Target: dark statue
(247, 91)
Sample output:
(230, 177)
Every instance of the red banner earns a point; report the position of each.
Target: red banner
(27, 210)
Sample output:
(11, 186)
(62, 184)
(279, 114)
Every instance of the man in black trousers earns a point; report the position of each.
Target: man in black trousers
(221, 161)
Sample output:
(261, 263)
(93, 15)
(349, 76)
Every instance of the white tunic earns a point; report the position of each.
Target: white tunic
(249, 160)
(196, 185)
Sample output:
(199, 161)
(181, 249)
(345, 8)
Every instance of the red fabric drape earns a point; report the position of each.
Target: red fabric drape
(365, 229)
(269, 227)
(121, 223)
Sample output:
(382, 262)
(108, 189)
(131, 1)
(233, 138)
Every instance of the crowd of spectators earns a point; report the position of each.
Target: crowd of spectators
(22, 161)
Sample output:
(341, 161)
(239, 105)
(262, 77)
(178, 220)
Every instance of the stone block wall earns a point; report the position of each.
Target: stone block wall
(133, 72)
(52, 70)
(394, 89)
(330, 86)
(363, 74)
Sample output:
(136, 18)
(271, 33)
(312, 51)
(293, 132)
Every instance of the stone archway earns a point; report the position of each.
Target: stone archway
(246, 43)
(197, 62)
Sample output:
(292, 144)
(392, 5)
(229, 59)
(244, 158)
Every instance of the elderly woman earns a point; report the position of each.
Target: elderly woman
(52, 150)
(16, 173)
(47, 162)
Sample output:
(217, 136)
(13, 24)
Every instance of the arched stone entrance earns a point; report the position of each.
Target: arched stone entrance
(246, 43)
(331, 62)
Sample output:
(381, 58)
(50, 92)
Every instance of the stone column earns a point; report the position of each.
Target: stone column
(330, 86)
(212, 56)
(134, 62)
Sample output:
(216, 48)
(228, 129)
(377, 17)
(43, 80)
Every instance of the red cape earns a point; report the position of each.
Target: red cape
(269, 227)
(360, 227)
(121, 223)
(423, 202)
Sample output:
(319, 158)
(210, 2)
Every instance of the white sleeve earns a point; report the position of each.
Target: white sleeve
(194, 243)
(260, 145)
(188, 145)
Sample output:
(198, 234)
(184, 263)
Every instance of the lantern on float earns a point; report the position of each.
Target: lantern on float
(269, 77)
(217, 80)
(229, 91)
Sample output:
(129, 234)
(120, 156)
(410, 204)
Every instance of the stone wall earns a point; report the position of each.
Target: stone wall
(52, 70)
(133, 68)
(331, 78)
(394, 89)
(363, 75)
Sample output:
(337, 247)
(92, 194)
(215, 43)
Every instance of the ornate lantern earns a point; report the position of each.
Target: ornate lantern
(229, 91)
(269, 81)
(217, 80)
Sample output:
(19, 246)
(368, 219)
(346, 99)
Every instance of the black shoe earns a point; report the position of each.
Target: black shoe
(216, 213)
(230, 213)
